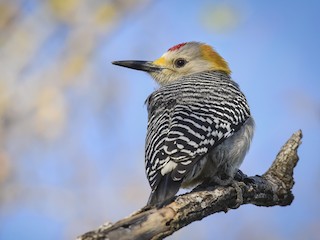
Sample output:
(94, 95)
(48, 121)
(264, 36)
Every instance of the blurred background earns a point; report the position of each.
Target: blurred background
(72, 126)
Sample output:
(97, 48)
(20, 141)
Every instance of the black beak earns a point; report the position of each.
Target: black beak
(139, 65)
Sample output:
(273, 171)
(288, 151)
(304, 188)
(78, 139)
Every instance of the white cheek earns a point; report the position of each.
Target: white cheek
(199, 66)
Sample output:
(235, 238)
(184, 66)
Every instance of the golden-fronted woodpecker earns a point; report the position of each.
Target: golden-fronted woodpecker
(199, 122)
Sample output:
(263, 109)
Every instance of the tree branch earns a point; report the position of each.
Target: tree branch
(271, 189)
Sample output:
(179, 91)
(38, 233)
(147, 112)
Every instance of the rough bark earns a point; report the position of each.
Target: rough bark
(271, 189)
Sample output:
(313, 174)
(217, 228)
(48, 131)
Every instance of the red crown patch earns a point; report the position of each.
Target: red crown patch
(176, 47)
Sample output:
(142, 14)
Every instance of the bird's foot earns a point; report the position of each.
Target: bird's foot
(237, 187)
(233, 181)
(241, 177)
(229, 181)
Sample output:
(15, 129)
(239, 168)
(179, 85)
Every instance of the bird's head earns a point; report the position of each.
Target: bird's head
(180, 60)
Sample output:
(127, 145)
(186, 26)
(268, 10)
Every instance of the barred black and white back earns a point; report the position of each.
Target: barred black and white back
(199, 126)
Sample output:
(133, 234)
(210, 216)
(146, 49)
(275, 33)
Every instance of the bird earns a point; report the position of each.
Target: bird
(199, 122)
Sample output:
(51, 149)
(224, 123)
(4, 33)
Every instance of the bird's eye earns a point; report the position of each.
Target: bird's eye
(180, 62)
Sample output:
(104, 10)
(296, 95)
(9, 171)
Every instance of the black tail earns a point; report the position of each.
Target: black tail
(165, 190)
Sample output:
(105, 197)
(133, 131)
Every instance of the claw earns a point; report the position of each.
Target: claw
(238, 189)
(241, 177)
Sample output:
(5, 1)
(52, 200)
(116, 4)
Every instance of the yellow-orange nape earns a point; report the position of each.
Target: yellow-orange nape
(209, 54)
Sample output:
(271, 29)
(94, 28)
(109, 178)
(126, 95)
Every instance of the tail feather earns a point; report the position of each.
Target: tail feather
(165, 190)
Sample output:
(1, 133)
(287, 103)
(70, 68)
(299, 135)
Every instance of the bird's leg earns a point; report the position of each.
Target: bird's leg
(215, 181)
(241, 177)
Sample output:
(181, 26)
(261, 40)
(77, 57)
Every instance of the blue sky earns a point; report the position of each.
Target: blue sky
(273, 51)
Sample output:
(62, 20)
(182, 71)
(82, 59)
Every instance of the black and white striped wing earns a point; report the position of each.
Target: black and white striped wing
(184, 127)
